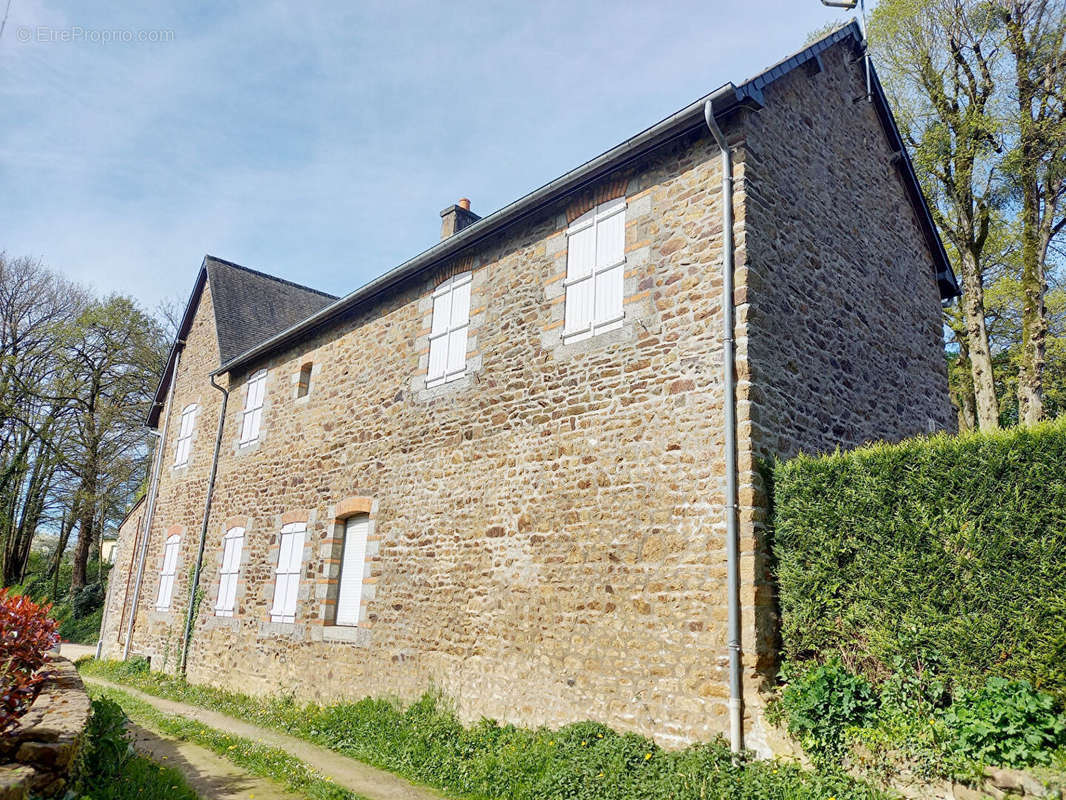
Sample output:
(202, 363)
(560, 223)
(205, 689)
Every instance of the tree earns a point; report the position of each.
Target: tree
(115, 366)
(1035, 34)
(942, 57)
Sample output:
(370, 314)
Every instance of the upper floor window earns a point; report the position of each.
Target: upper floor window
(232, 544)
(303, 388)
(447, 337)
(167, 573)
(287, 574)
(353, 567)
(595, 270)
(185, 431)
(253, 407)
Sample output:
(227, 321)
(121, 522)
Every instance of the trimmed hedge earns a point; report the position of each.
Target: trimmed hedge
(944, 553)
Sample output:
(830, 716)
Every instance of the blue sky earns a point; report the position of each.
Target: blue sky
(319, 141)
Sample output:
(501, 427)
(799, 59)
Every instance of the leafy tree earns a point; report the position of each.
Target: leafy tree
(942, 59)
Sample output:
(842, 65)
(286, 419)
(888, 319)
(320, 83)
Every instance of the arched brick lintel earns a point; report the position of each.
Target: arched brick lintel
(353, 505)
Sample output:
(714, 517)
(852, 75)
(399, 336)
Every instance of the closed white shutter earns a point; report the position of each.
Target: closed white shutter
(447, 336)
(580, 260)
(232, 545)
(167, 573)
(185, 431)
(287, 575)
(595, 271)
(253, 407)
(353, 565)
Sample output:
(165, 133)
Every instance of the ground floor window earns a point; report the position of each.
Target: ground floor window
(353, 567)
(232, 544)
(167, 573)
(287, 574)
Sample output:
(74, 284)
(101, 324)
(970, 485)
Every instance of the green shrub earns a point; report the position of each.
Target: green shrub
(822, 704)
(1005, 723)
(87, 599)
(947, 549)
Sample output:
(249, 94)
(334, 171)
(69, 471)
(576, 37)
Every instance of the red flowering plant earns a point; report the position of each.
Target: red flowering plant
(27, 633)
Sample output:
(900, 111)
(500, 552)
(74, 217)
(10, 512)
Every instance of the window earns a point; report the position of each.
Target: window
(185, 429)
(353, 563)
(305, 380)
(447, 337)
(595, 269)
(253, 407)
(287, 575)
(167, 573)
(232, 543)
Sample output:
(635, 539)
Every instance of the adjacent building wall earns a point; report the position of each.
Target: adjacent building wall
(842, 313)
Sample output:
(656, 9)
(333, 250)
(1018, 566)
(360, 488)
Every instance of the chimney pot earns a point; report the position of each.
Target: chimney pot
(464, 203)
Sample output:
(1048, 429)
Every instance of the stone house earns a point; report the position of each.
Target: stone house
(503, 468)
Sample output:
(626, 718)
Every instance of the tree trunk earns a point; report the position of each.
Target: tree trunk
(980, 354)
(86, 534)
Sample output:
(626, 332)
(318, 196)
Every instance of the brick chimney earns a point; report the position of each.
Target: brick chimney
(454, 218)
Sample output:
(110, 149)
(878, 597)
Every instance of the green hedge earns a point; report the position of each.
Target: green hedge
(943, 553)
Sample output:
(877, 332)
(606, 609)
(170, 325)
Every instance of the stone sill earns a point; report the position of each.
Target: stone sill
(345, 634)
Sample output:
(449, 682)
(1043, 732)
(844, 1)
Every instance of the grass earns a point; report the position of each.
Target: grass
(140, 779)
(424, 742)
(256, 758)
(78, 631)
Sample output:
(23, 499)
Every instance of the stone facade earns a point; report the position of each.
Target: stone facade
(547, 533)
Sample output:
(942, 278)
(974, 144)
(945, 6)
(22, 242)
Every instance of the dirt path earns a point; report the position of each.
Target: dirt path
(347, 772)
(209, 775)
(76, 651)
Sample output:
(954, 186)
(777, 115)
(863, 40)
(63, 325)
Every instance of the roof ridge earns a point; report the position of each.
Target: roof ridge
(267, 275)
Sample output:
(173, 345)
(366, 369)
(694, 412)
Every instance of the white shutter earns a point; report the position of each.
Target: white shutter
(595, 271)
(166, 574)
(185, 430)
(447, 337)
(233, 543)
(580, 260)
(610, 264)
(287, 575)
(353, 564)
(253, 407)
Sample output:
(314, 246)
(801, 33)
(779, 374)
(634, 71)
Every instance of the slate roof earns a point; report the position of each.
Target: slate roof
(251, 306)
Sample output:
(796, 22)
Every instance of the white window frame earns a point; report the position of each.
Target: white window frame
(595, 218)
(441, 339)
(287, 572)
(232, 546)
(252, 416)
(168, 572)
(353, 570)
(186, 429)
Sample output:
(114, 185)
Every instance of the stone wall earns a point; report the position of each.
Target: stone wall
(120, 584)
(36, 758)
(547, 533)
(841, 336)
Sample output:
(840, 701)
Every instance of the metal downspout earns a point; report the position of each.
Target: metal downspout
(149, 509)
(736, 702)
(203, 528)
